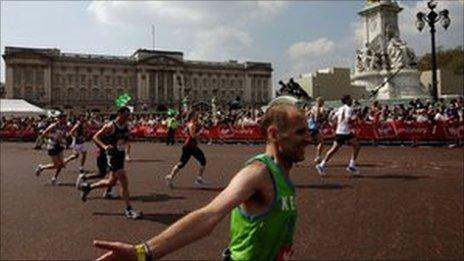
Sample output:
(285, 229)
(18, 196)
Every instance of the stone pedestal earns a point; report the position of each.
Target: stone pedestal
(404, 85)
(384, 54)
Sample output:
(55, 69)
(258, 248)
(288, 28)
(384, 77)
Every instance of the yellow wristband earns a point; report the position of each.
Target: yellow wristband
(140, 252)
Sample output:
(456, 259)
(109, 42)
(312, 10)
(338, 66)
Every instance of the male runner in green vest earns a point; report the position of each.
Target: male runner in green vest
(261, 198)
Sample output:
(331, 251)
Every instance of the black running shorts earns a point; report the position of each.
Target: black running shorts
(115, 160)
(343, 138)
(55, 150)
(102, 163)
(188, 151)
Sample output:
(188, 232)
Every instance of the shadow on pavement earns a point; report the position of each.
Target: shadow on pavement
(145, 160)
(68, 184)
(165, 218)
(48, 184)
(340, 165)
(323, 186)
(212, 189)
(360, 165)
(142, 198)
(154, 198)
(392, 176)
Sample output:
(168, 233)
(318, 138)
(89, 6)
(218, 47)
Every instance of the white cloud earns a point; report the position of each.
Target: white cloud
(311, 49)
(420, 41)
(213, 30)
(358, 31)
(219, 43)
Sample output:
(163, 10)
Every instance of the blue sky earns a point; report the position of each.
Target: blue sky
(295, 36)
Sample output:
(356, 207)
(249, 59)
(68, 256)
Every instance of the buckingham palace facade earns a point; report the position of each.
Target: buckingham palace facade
(53, 79)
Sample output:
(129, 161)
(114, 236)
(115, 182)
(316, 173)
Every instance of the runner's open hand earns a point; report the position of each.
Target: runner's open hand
(116, 251)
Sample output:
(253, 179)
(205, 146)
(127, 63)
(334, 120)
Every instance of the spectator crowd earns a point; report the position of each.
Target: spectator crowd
(422, 111)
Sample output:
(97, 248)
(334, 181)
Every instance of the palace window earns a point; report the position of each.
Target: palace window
(95, 80)
(39, 76)
(29, 73)
(70, 79)
(83, 94)
(17, 71)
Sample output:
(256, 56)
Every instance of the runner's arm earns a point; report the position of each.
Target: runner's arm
(198, 223)
(48, 130)
(107, 128)
(73, 130)
(192, 130)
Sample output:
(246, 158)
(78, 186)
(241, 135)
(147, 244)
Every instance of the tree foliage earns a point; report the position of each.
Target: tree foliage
(450, 59)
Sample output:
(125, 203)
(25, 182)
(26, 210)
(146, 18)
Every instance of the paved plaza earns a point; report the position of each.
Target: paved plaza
(406, 204)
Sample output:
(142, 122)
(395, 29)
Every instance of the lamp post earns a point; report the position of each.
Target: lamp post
(432, 18)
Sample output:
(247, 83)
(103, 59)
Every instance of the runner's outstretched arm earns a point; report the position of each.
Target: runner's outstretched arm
(198, 223)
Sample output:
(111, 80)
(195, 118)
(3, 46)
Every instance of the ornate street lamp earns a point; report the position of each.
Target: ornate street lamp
(431, 19)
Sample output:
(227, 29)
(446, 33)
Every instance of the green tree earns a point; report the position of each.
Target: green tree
(450, 59)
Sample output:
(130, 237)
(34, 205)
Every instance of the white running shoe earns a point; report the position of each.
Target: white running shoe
(200, 182)
(320, 170)
(55, 182)
(169, 181)
(352, 170)
(109, 194)
(38, 170)
(79, 180)
(133, 214)
(85, 190)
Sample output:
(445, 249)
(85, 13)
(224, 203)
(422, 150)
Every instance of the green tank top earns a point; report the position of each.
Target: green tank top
(267, 236)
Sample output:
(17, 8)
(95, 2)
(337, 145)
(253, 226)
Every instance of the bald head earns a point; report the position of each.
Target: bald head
(280, 115)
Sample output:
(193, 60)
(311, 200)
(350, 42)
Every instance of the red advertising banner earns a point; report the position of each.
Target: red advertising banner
(327, 130)
(391, 130)
(454, 130)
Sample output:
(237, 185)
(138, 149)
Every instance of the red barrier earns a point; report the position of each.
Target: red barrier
(454, 130)
(327, 130)
(398, 130)
(385, 131)
(8, 134)
(365, 131)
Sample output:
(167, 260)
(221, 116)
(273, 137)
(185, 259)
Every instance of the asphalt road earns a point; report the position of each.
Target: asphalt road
(407, 204)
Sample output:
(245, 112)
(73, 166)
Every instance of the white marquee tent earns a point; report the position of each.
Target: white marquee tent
(19, 108)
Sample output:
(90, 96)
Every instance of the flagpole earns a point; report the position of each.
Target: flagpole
(153, 36)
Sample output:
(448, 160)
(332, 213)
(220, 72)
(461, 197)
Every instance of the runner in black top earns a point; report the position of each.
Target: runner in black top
(102, 164)
(189, 149)
(56, 133)
(111, 139)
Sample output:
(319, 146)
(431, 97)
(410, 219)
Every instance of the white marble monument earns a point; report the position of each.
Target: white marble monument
(386, 64)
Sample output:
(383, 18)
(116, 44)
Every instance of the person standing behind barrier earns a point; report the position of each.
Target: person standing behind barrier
(260, 197)
(56, 133)
(172, 125)
(343, 134)
(317, 115)
(189, 149)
